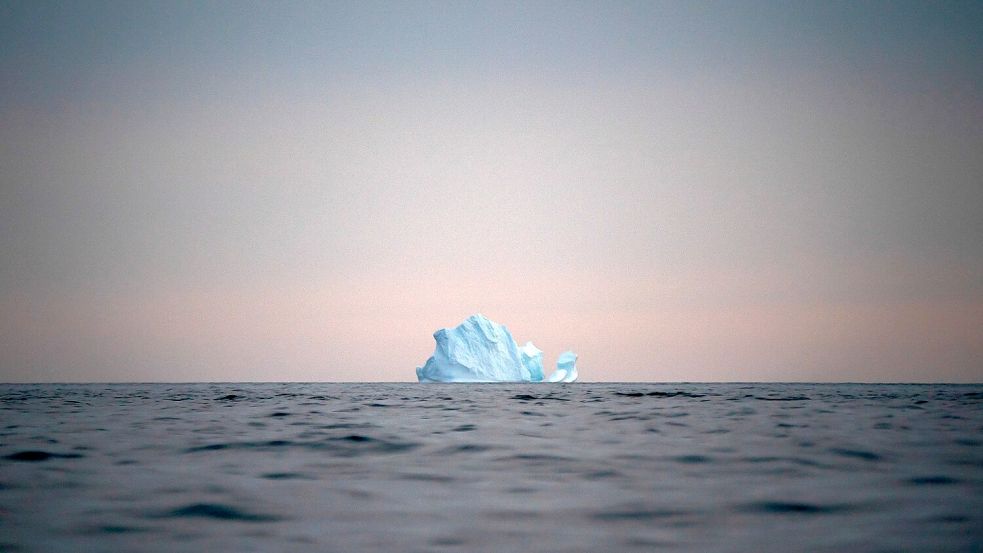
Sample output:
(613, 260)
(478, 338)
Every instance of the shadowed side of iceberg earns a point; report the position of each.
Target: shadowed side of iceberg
(532, 360)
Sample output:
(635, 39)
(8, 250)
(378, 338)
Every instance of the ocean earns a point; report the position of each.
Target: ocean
(584, 467)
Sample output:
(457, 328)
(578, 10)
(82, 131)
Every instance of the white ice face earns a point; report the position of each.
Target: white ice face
(481, 350)
(557, 376)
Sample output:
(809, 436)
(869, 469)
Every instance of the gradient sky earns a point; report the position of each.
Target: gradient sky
(684, 191)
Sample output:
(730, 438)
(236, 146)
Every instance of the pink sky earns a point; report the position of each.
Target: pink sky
(624, 329)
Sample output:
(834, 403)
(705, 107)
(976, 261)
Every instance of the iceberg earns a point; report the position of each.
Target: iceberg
(566, 368)
(481, 350)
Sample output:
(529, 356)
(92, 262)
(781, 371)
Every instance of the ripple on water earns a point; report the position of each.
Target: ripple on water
(439, 478)
(935, 480)
(466, 448)
(602, 474)
(660, 394)
(692, 459)
(217, 511)
(535, 459)
(359, 444)
(239, 445)
(36, 455)
(856, 454)
(229, 397)
(788, 398)
(287, 476)
(115, 529)
(793, 508)
(527, 397)
(344, 446)
(636, 514)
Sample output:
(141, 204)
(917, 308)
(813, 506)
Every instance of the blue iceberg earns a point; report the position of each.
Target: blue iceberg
(532, 360)
(481, 350)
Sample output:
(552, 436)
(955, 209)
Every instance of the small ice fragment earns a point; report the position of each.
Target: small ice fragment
(566, 368)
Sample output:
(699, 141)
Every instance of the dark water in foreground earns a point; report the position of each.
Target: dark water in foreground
(411, 467)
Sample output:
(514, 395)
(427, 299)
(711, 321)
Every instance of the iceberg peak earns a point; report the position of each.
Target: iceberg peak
(481, 350)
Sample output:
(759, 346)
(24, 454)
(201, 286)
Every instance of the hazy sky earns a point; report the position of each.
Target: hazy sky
(306, 191)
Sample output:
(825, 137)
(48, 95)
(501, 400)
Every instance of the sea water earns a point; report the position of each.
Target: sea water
(491, 467)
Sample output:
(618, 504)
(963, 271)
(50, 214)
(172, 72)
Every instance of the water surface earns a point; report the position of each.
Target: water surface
(443, 467)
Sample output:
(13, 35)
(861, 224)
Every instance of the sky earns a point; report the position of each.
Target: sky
(678, 191)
